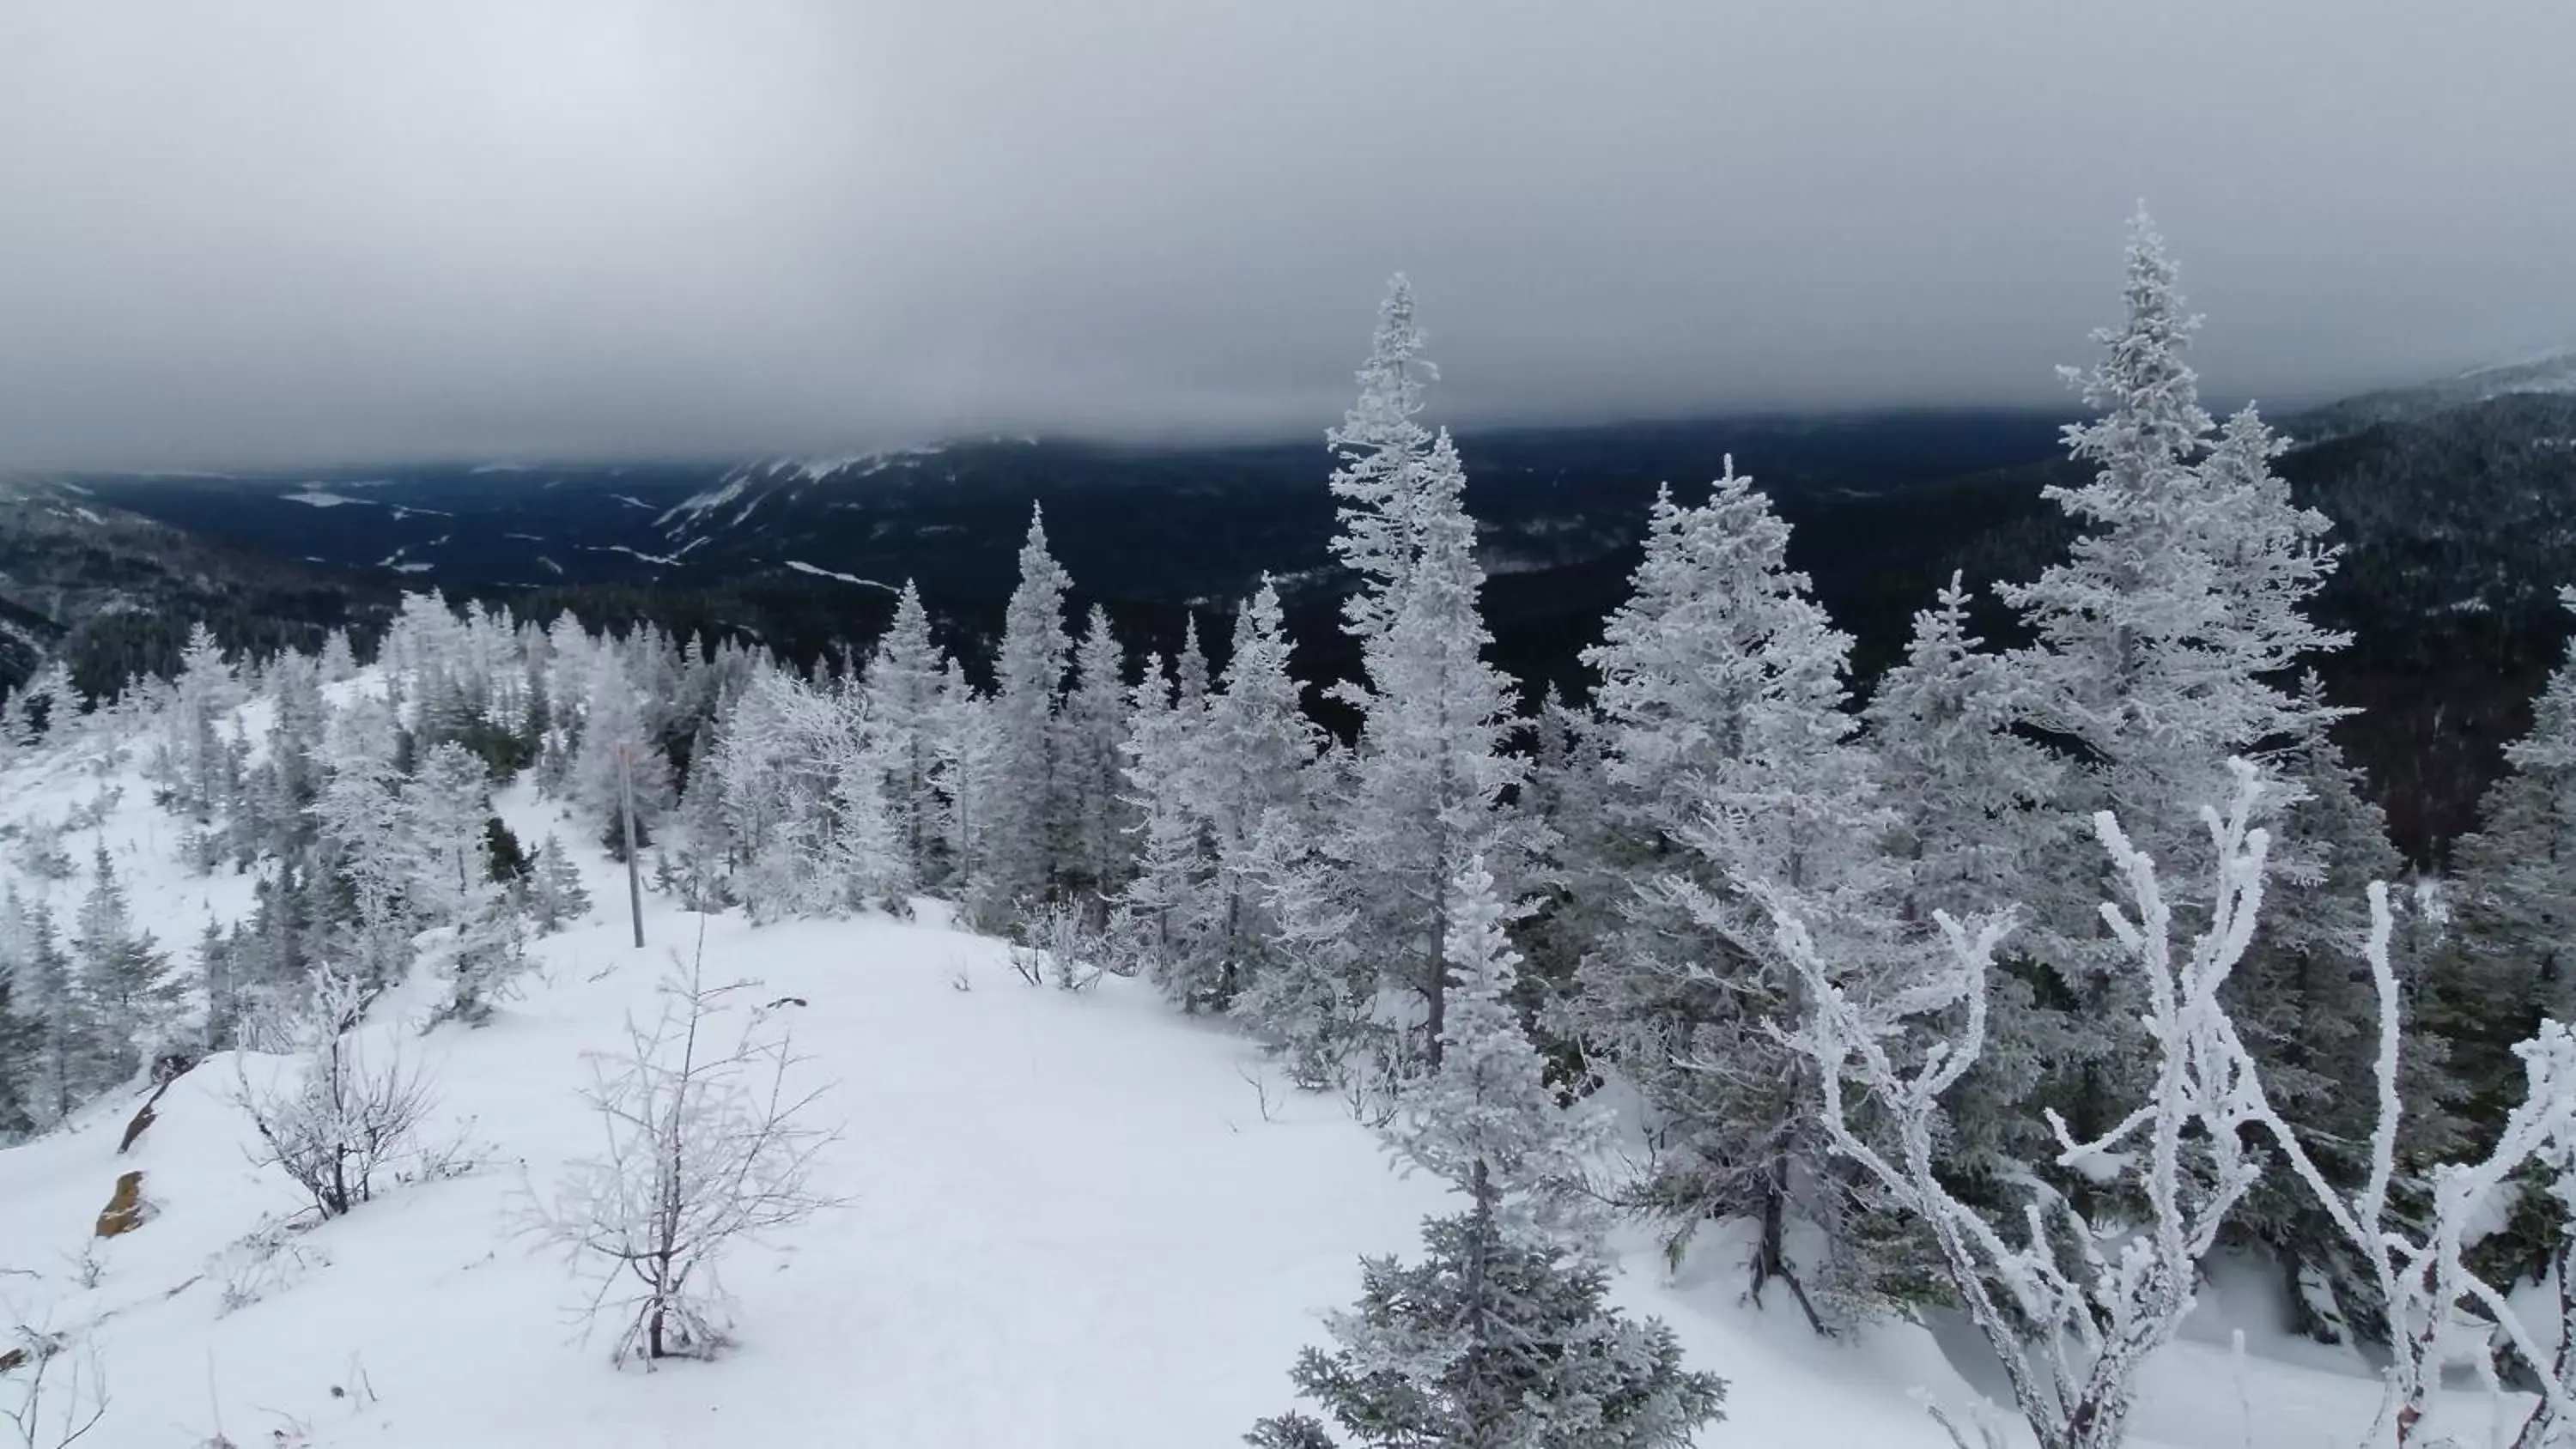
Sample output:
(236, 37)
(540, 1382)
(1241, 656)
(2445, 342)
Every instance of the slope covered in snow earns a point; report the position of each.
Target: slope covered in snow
(1070, 1221)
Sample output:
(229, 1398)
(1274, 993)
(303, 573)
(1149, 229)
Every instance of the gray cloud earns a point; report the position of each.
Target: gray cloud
(289, 230)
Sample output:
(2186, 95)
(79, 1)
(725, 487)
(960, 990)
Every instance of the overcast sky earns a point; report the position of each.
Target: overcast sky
(284, 232)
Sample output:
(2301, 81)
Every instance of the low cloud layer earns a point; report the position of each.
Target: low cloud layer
(280, 232)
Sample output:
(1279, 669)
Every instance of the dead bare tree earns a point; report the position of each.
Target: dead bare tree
(353, 1112)
(706, 1144)
(62, 1392)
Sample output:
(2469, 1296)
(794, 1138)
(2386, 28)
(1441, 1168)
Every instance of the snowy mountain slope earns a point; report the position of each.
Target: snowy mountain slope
(1071, 1224)
(110, 590)
(2552, 372)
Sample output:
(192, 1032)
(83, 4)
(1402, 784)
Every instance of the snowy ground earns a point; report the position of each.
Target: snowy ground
(1070, 1226)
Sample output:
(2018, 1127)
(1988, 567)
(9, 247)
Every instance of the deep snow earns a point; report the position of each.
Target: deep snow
(1071, 1225)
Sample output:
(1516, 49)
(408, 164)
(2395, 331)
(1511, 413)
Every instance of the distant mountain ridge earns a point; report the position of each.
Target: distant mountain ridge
(2455, 503)
(2546, 373)
(1168, 524)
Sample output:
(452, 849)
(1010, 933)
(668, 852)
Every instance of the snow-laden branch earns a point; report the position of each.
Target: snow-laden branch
(2101, 1298)
(2421, 1273)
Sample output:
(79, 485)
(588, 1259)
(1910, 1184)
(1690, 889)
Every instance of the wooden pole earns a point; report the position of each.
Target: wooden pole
(626, 799)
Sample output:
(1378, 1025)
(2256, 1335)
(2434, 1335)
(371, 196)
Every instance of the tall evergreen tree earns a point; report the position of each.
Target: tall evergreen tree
(1257, 753)
(47, 997)
(1166, 913)
(1730, 762)
(1018, 829)
(2162, 645)
(1429, 775)
(903, 676)
(1095, 843)
(1972, 819)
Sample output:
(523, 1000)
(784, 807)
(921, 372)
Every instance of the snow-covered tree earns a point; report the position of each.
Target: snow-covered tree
(1314, 999)
(706, 1143)
(127, 983)
(1256, 760)
(1383, 451)
(2162, 645)
(1095, 844)
(46, 994)
(615, 739)
(903, 693)
(1730, 760)
(1501, 1335)
(556, 896)
(1018, 828)
(338, 660)
(445, 805)
(970, 759)
(222, 984)
(2073, 1307)
(19, 1041)
(365, 845)
(2516, 896)
(1167, 913)
(1429, 773)
(2310, 1020)
(802, 781)
(1972, 817)
(189, 761)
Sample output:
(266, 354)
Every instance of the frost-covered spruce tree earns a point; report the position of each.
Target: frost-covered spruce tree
(615, 739)
(766, 768)
(865, 853)
(128, 991)
(698, 849)
(1020, 814)
(51, 1076)
(1258, 751)
(556, 896)
(1167, 912)
(2515, 901)
(1383, 448)
(902, 686)
(1206, 774)
(1096, 848)
(1429, 773)
(969, 777)
(1314, 999)
(1730, 761)
(802, 781)
(445, 806)
(1971, 819)
(23, 1023)
(222, 986)
(364, 846)
(189, 761)
(275, 817)
(2162, 645)
(19, 1038)
(2311, 1021)
(1500, 1336)
(2506, 964)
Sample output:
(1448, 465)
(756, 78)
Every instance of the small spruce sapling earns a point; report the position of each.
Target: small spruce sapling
(1500, 1336)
